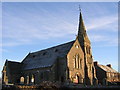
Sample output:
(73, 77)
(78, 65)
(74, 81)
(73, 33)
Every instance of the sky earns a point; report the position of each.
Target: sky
(33, 26)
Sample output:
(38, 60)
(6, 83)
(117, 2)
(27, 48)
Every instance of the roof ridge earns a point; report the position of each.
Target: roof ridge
(106, 68)
(14, 61)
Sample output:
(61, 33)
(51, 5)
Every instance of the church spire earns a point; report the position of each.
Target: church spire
(81, 28)
(82, 35)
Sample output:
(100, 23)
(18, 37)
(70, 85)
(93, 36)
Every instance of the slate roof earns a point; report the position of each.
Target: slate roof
(46, 57)
(107, 69)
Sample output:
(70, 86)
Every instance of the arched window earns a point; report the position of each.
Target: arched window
(88, 49)
(27, 79)
(74, 63)
(22, 79)
(32, 79)
(78, 61)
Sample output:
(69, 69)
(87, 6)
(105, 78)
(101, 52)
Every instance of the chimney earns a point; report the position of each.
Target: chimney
(109, 65)
(95, 63)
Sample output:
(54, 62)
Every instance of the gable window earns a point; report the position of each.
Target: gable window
(76, 46)
(80, 63)
(77, 61)
(74, 63)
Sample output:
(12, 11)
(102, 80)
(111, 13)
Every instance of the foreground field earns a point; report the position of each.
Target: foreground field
(61, 88)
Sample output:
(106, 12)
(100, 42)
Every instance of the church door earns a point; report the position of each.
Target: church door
(78, 79)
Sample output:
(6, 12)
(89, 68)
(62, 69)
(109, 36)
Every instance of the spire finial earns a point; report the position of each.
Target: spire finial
(79, 8)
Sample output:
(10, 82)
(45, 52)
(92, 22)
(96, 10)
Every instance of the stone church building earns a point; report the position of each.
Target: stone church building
(69, 62)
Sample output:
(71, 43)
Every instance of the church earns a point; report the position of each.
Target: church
(69, 62)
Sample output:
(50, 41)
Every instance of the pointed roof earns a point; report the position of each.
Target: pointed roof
(82, 30)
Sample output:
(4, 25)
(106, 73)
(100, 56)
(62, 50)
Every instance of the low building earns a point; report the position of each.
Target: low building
(106, 74)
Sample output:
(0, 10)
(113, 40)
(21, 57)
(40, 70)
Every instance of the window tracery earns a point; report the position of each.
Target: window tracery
(77, 61)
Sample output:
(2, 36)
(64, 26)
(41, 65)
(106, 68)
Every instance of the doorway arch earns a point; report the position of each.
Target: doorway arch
(79, 78)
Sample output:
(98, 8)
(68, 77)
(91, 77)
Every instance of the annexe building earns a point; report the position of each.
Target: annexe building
(106, 74)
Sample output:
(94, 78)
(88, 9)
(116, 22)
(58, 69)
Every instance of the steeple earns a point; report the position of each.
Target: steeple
(82, 35)
(81, 28)
(86, 47)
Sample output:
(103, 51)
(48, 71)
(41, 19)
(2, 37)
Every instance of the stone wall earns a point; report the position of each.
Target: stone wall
(40, 75)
